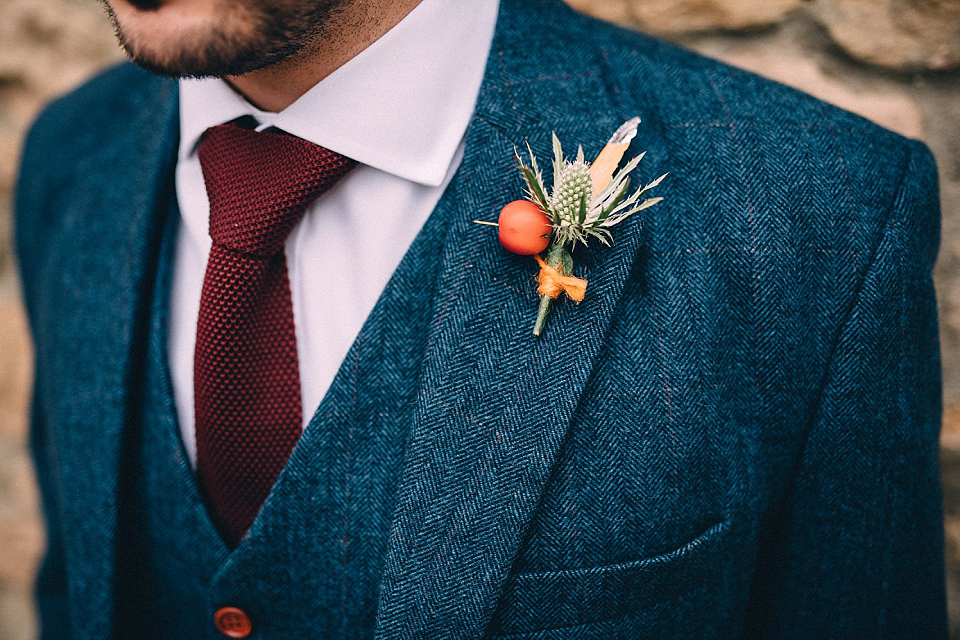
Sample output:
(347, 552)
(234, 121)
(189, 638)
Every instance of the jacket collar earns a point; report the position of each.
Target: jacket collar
(496, 403)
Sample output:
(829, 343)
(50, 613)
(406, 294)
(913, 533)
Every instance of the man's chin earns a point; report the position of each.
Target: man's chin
(168, 45)
(212, 58)
(190, 63)
(208, 38)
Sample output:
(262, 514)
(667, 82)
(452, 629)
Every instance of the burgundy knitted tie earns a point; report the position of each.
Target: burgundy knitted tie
(246, 377)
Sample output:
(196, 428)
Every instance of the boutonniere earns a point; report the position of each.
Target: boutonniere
(587, 199)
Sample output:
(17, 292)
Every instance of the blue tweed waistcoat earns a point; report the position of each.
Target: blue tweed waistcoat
(317, 547)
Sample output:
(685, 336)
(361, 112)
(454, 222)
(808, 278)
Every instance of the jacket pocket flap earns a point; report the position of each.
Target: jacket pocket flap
(557, 599)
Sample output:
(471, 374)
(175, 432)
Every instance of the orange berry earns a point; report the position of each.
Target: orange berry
(524, 228)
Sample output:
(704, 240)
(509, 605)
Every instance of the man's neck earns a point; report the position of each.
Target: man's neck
(358, 25)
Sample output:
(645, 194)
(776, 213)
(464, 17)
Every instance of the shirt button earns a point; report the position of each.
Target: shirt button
(232, 622)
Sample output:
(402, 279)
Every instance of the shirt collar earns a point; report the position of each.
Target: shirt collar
(401, 105)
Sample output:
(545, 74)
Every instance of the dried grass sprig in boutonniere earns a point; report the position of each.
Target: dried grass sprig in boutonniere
(586, 201)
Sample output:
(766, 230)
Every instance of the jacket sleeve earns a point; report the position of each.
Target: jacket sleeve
(32, 203)
(856, 548)
(51, 583)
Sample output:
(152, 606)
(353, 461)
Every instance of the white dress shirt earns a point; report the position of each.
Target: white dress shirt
(400, 108)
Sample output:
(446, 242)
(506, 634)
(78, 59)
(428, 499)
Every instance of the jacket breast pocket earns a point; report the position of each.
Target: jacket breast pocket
(554, 600)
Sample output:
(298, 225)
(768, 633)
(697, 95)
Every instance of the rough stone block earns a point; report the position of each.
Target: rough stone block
(897, 34)
(676, 16)
(15, 371)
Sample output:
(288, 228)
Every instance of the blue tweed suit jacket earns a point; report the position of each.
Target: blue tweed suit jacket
(733, 436)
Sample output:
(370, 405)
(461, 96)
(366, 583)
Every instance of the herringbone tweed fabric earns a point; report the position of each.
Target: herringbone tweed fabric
(734, 435)
(326, 554)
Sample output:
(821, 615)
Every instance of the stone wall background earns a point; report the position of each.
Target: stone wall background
(896, 62)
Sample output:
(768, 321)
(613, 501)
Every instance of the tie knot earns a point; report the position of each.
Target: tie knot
(260, 183)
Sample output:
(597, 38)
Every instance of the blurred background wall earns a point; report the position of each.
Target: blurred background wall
(896, 62)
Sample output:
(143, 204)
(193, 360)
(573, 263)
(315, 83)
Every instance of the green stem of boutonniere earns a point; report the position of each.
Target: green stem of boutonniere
(559, 258)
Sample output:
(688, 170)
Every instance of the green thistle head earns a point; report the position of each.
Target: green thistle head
(572, 190)
(577, 213)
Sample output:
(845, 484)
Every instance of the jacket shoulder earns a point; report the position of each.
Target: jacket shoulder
(83, 120)
(689, 87)
(76, 139)
(753, 161)
(774, 139)
(82, 117)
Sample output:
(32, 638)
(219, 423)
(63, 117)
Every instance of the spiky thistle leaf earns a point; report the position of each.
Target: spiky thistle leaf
(536, 192)
(577, 213)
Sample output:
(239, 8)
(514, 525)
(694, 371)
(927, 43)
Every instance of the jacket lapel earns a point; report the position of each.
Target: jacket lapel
(496, 403)
(105, 261)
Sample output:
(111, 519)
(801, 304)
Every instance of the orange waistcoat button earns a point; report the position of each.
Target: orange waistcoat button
(232, 622)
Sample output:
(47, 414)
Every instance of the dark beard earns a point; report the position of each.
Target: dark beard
(279, 34)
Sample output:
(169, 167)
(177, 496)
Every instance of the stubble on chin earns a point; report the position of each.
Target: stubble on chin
(239, 37)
